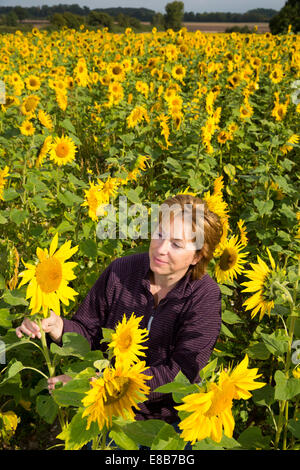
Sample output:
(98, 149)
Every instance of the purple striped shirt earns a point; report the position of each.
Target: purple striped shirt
(183, 327)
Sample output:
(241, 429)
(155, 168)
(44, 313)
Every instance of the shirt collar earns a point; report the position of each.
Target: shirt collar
(182, 289)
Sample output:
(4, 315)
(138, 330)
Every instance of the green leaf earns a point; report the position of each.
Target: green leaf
(46, 408)
(264, 207)
(225, 331)
(9, 194)
(72, 393)
(177, 388)
(231, 317)
(3, 219)
(258, 351)
(12, 371)
(264, 396)
(144, 432)
(285, 388)
(207, 371)
(5, 319)
(76, 435)
(133, 196)
(40, 203)
(14, 297)
(121, 439)
(207, 444)
(76, 182)
(168, 439)
(276, 342)
(2, 282)
(18, 216)
(101, 364)
(74, 344)
(65, 226)
(225, 290)
(69, 199)
(128, 139)
(294, 427)
(66, 124)
(88, 248)
(252, 438)
(106, 335)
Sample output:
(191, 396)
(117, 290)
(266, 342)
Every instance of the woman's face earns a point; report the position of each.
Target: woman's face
(171, 250)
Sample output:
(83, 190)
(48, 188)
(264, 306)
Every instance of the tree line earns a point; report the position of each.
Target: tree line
(72, 16)
(142, 14)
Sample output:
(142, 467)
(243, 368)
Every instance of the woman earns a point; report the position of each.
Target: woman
(168, 286)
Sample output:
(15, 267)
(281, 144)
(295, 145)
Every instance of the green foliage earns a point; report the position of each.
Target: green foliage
(289, 15)
(174, 15)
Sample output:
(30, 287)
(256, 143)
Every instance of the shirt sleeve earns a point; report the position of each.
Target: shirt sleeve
(197, 333)
(90, 316)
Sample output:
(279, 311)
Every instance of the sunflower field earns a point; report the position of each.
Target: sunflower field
(87, 117)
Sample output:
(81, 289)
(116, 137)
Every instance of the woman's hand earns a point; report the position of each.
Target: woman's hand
(52, 325)
(54, 380)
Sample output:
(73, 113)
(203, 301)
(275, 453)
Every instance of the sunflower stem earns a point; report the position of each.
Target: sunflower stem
(103, 438)
(50, 366)
(280, 423)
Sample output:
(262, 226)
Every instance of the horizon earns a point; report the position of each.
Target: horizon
(195, 6)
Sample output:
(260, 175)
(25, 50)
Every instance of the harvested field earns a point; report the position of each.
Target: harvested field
(221, 27)
(204, 27)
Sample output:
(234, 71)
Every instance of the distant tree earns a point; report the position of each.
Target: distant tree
(20, 12)
(134, 22)
(158, 20)
(288, 15)
(11, 19)
(98, 18)
(123, 20)
(174, 15)
(73, 21)
(57, 19)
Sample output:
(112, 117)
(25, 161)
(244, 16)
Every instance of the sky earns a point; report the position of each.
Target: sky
(197, 6)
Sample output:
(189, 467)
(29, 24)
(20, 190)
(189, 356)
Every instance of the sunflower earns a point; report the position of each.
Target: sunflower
(115, 394)
(141, 162)
(127, 339)
(178, 72)
(223, 136)
(261, 301)
(110, 187)
(48, 280)
(243, 231)
(242, 379)
(137, 115)
(62, 150)
(293, 140)
(211, 408)
(62, 99)
(94, 198)
(116, 71)
(165, 131)
(246, 111)
(231, 259)
(27, 128)
(33, 83)
(3, 175)
(276, 75)
(142, 87)
(216, 204)
(116, 90)
(29, 105)
(234, 80)
(43, 151)
(45, 119)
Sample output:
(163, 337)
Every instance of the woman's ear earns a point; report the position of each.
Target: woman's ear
(197, 257)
